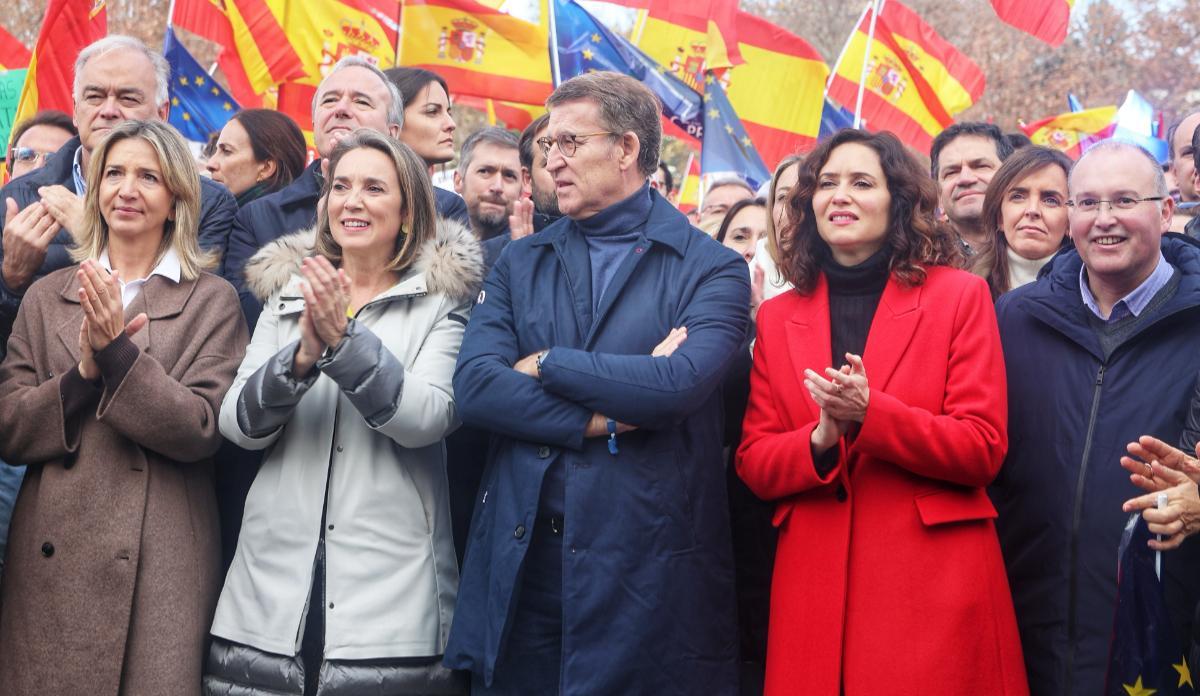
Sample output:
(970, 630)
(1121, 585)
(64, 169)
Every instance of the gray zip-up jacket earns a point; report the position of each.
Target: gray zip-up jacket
(361, 439)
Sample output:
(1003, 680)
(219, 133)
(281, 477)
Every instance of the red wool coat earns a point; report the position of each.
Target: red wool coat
(888, 578)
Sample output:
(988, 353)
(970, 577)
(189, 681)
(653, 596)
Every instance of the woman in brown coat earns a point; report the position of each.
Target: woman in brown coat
(112, 568)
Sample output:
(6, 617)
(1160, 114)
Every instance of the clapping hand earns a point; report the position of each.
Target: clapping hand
(845, 393)
(26, 237)
(65, 207)
(323, 321)
(1164, 470)
(103, 315)
(520, 223)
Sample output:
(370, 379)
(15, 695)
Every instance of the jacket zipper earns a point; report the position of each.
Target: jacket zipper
(322, 560)
(1077, 516)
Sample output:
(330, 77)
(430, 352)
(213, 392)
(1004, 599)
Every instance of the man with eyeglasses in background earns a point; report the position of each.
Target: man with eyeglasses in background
(35, 139)
(600, 559)
(1099, 351)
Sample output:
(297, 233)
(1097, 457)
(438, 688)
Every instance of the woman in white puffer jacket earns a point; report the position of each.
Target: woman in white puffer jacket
(345, 571)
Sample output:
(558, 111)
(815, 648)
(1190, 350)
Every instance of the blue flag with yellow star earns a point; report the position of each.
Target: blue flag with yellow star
(726, 147)
(1146, 658)
(199, 106)
(585, 45)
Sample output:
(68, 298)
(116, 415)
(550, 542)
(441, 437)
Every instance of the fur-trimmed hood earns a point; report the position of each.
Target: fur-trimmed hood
(452, 262)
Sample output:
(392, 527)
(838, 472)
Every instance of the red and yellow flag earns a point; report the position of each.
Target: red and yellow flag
(689, 188)
(915, 80)
(509, 114)
(1071, 132)
(13, 54)
(322, 34)
(209, 19)
(69, 26)
(786, 117)
(1045, 19)
(479, 51)
(262, 42)
(690, 38)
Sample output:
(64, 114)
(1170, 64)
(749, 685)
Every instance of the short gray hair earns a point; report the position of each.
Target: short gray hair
(1160, 180)
(395, 110)
(120, 42)
(492, 135)
(730, 180)
(625, 105)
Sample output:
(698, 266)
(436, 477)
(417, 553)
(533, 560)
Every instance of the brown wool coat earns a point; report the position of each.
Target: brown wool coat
(112, 568)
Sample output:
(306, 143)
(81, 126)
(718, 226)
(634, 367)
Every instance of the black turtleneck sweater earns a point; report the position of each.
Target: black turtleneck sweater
(854, 294)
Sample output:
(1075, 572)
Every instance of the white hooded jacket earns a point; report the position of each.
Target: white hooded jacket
(362, 438)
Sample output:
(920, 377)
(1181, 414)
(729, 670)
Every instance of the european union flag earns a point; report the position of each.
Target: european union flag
(726, 147)
(199, 106)
(1145, 658)
(584, 45)
(833, 119)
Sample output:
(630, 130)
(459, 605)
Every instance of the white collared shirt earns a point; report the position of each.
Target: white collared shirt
(168, 267)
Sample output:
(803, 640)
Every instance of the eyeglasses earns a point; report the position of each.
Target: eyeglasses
(26, 154)
(1092, 205)
(567, 143)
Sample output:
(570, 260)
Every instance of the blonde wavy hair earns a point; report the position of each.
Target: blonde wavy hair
(180, 177)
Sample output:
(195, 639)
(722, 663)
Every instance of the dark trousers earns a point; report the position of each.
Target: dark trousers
(531, 659)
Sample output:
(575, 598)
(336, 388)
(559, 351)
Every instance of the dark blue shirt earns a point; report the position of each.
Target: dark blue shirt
(610, 234)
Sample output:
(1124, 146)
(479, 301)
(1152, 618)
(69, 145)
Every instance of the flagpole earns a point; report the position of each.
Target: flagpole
(845, 47)
(170, 25)
(556, 71)
(639, 27)
(862, 81)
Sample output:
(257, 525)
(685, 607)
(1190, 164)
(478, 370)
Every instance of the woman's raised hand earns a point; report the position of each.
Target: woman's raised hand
(845, 393)
(103, 310)
(326, 299)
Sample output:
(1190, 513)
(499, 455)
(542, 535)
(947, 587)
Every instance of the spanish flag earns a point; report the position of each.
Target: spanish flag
(786, 117)
(262, 43)
(210, 20)
(13, 54)
(1045, 19)
(69, 26)
(1073, 131)
(480, 52)
(323, 33)
(502, 113)
(689, 188)
(915, 80)
(690, 39)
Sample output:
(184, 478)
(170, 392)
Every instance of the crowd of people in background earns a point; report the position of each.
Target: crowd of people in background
(273, 426)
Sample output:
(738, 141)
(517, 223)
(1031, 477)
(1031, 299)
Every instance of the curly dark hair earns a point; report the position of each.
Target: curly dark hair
(914, 235)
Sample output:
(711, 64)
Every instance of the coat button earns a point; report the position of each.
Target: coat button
(841, 493)
(47, 549)
(339, 448)
(519, 533)
(543, 452)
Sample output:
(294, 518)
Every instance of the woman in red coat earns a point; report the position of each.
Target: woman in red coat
(888, 576)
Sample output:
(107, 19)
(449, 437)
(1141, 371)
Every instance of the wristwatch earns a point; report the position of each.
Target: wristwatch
(540, 357)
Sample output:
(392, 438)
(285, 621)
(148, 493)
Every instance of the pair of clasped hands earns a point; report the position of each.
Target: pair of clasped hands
(323, 322)
(103, 315)
(842, 396)
(598, 424)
